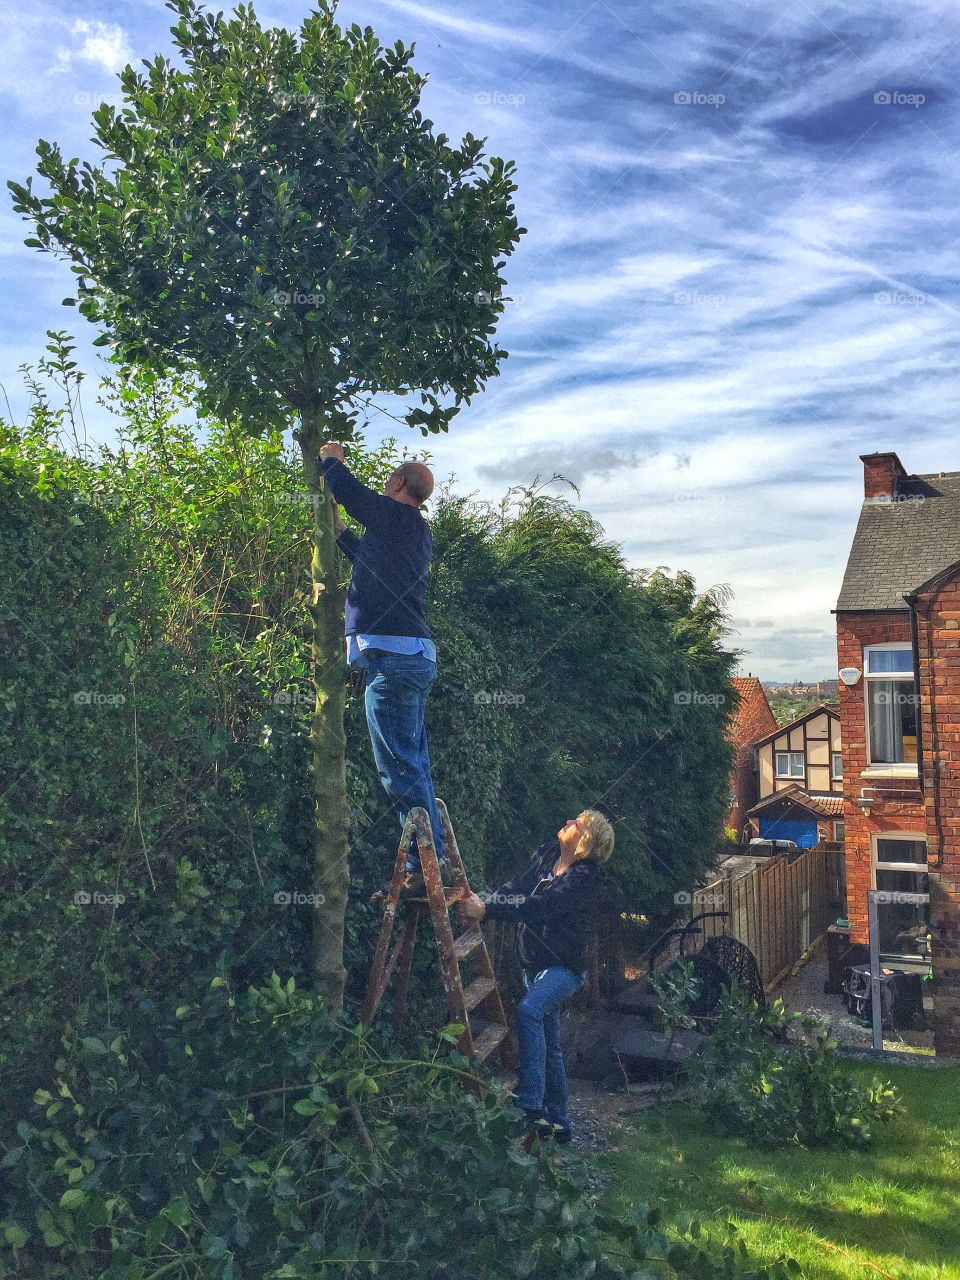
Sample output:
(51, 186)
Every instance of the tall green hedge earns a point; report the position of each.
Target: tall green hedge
(156, 698)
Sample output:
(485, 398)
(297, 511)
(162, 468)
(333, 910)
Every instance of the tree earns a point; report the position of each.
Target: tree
(277, 219)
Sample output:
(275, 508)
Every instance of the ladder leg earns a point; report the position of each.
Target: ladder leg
(379, 972)
(407, 946)
(451, 849)
(440, 916)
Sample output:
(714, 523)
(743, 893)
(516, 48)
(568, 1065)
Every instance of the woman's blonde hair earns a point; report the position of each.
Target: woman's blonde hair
(598, 839)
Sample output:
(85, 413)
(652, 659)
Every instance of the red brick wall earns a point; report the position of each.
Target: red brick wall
(745, 785)
(881, 471)
(897, 805)
(939, 646)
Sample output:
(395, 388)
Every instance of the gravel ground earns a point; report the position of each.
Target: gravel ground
(804, 992)
(601, 1117)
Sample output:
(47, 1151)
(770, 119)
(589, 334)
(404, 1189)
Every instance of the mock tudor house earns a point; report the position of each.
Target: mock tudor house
(752, 719)
(800, 780)
(898, 643)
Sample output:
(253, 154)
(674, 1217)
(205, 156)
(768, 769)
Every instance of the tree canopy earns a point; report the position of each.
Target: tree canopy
(277, 217)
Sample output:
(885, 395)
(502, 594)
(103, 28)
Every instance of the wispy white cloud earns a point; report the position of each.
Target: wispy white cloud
(740, 270)
(104, 44)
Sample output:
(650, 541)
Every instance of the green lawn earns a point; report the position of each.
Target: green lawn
(891, 1210)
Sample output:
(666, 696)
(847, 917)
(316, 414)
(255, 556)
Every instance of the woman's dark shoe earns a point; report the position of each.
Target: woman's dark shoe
(531, 1130)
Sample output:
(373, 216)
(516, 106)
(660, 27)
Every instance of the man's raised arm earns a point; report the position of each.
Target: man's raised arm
(347, 540)
(356, 498)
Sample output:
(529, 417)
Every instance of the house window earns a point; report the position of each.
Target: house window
(836, 765)
(900, 867)
(838, 830)
(891, 704)
(790, 764)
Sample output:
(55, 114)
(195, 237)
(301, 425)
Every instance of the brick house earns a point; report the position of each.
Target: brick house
(898, 644)
(751, 720)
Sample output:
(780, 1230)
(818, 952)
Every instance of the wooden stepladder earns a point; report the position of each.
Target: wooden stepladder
(481, 995)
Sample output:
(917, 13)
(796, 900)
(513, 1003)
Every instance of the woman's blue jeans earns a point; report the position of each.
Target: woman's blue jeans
(543, 1080)
(395, 698)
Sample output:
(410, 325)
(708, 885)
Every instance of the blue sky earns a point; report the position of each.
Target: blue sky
(740, 272)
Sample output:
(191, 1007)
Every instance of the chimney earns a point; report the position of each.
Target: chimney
(882, 473)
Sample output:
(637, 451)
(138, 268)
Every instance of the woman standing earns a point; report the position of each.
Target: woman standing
(553, 899)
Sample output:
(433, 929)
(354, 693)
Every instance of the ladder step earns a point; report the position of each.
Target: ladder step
(490, 1039)
(467, 942)
(477, 992)
(451, 893)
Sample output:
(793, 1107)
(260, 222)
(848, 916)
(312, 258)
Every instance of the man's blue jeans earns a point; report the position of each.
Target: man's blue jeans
(398, 685)
(543, 1080)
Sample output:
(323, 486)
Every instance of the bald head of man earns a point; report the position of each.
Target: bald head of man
(412, 482)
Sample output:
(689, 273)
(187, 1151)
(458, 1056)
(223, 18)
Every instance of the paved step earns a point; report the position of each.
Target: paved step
(636, 998)
(643, 1044)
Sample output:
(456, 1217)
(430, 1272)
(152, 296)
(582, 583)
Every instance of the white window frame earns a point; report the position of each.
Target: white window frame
(907, 768)
(789, 775)
(836, 756)
(839, 822)
(918, 836)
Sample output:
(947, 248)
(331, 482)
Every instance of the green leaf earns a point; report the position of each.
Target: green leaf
(215, 1247)
(177, 1212)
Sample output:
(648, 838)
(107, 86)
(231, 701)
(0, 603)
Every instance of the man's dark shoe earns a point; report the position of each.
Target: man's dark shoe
(415, 886)
(562, 1135)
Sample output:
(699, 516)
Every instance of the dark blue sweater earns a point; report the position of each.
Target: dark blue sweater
(390, 562)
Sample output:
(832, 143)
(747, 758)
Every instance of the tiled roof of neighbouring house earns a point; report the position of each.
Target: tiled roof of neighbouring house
(829, 806)
(901, 543)
(753, 716)
(825, 806)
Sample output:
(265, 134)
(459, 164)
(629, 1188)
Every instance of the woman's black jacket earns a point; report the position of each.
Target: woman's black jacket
(555, 916)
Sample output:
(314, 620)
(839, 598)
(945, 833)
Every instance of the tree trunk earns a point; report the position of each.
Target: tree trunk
(331, 872)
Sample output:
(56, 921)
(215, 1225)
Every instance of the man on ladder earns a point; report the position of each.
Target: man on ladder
(387, 632)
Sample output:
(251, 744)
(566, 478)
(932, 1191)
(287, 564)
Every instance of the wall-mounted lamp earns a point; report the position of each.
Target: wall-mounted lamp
(849, 675)
(866, 805)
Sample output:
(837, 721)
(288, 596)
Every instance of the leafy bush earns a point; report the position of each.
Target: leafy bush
(167, 577)
(772, 1075)
(241, 1137)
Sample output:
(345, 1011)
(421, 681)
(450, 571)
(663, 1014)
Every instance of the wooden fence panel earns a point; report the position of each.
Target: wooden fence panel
(778, 910)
